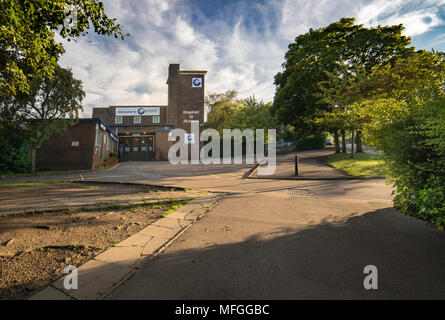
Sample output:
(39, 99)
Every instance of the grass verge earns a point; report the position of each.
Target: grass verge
(362, 165)
(30, 183)
(170, 204)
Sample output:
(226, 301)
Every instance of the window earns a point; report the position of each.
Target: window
(156, 119)
(74, 143)
(118, 120)
(137, 119)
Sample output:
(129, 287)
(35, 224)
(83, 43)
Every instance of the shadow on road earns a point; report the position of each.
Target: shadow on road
(323, 261)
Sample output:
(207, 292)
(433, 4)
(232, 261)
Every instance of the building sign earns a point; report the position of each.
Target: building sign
(197, 82)
(138, 111)
(189, 112)
(189, 138)
(191, 115)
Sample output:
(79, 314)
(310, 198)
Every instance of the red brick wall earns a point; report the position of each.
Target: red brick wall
(58, 154)
(99, 158)
(162, 145)
(182, 96)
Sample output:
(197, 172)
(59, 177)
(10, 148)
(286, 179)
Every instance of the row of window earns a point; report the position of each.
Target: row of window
(137, 119)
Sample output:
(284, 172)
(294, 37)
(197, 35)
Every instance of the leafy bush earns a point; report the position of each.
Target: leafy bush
(405, 118)
(413, 145)
(419, 166)
(15, 155)
(114, 154)
(311, 143)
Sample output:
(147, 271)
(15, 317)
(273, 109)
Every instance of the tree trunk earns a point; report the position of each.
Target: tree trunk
(359, 148)
(343, 141)
(33, 160)
(336, 142)
(352, 144)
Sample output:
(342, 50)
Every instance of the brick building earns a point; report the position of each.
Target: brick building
(143, 129)
(84, 145)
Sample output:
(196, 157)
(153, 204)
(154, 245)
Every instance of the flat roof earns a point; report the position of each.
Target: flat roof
(137, 106)
(193, 71)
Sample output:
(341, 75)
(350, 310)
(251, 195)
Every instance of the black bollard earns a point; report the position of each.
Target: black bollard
(296, 165)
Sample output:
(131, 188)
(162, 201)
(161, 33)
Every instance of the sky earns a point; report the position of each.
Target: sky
(241, 43)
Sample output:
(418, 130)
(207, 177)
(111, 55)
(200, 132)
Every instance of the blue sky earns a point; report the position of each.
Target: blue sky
(241, 43)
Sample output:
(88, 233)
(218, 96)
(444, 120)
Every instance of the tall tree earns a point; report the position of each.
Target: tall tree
(253, 114)
(48, 107)
(332, 55)
(28, 49)
(222, 109)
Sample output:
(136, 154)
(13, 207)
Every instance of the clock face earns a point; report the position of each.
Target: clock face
(197, 82)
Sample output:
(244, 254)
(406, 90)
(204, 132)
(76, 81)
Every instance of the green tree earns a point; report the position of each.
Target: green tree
(405, 118)
(253, 115)
(28, 49)
(330, 58)
(227, 112)
(45, 109)
(216, 98)
(222, 109)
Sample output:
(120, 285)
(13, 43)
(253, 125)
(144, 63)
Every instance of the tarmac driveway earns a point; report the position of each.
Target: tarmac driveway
(264, 241)
(285, 239)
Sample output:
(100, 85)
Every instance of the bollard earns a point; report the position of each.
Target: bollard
(296, 165)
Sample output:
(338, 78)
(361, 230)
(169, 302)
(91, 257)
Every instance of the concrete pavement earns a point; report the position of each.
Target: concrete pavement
(310, 167)
(274, 239)
(266, 242)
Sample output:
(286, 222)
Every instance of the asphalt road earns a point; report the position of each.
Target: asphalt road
(264, 242)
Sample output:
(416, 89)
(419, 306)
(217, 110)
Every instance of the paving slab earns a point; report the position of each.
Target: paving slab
(135, 240)
(50, 293)
(122, 255)
(95, 278)
(159, 232)
(153, 246)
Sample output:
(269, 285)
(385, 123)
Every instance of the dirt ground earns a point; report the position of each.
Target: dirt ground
(36, 247)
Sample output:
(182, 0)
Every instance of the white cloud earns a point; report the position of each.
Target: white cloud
(422, 16)
(236, 56)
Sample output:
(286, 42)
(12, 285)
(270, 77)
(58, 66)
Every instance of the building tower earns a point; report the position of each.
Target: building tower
(185, 96)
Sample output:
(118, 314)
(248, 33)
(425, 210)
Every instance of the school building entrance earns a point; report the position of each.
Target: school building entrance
(137, 148)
